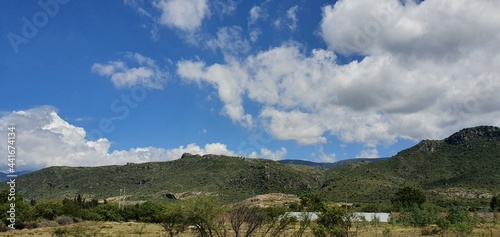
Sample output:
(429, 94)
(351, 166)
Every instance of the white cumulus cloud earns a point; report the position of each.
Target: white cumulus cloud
(368, 153)
(269, 154)
(186, 15)
(255, 13)
(147, 73)
(427, 70)
(291, 14)
(44, 139)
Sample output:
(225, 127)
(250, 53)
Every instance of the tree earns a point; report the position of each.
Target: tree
(457, 214)
(173, 219)
(305, 220)
(334, 222)
(48, 209)
(495, 203)
(108, 212)
(407, 197)
(149, 212)
(276, 221)
(23, 211)
(311, 202)
(206, 214)
(245, 219)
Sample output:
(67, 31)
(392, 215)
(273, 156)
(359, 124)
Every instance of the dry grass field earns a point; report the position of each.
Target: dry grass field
(129, 229)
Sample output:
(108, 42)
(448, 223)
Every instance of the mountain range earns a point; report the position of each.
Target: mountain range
(462, 168)
(3, 176)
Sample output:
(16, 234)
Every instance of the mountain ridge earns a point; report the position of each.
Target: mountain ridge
(461, 168)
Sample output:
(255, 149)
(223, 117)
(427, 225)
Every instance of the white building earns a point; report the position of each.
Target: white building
(368, 216)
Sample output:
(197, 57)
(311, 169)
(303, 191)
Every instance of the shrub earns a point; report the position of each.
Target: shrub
(89, 215)
(416, 216)
(462, 229)
(205, 213)
(64, 220)
(311, 202)
(245, 219)
(173, 219)
(423, 217)
(457, 214)
(407, 197)
(61, 232)
(3, 227)
(334, 222)
(47, 224)
(30, 225)
(108, 212)
(443, 224)
(426, 231)
(24, 213)
(149, 212)
(48, 209)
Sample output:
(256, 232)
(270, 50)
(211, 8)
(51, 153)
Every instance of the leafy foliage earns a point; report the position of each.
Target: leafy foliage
(407, 197)
(458, 215)
(48, 209)
(311, 202)
(334, 222)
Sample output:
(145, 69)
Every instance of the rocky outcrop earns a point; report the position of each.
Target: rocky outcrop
(469, 134)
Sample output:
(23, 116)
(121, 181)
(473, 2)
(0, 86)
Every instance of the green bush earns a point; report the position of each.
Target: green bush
(61, 232)
(311, 202)
(89, 215)
(462, 229)
(423, 216)
(457, 214)
(443, 223)
(48, 209)
(428, 231)
(149, 212)
(173, 219)
(408, 197)
(334, 222)
(24, 213)
(108, 212)
(205, 213)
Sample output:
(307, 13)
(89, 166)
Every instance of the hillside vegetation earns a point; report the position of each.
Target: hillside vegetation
(463, 168)
(232, 177)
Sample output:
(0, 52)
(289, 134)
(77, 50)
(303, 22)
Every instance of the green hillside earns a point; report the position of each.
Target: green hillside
(233, 177)
(464, 168)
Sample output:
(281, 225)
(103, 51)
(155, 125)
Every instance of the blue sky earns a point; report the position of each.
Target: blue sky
(110, 82)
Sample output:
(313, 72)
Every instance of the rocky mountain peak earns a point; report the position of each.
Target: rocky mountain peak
(469, 134)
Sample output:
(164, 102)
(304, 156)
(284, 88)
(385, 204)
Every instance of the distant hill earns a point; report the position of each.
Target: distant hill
(3, 176)
(233, 177)
(461, 168)
(329, 165)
